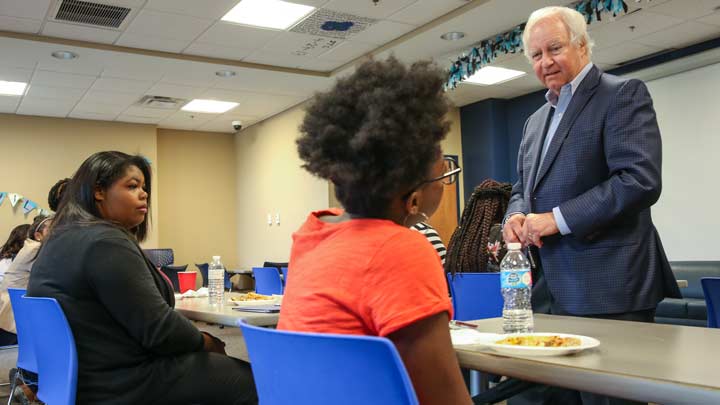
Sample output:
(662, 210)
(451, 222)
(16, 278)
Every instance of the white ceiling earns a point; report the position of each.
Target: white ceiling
(105, 82)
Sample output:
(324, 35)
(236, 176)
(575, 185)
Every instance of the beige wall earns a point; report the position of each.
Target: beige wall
(271, 181)
(199, 206)
(37, 151)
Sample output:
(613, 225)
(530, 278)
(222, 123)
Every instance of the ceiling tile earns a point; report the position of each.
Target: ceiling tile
(194, 74)
(681, 35)
(263, 105)
(686, 9)
(240, 36)
(713, 19)
(186, 120)
(57, 79)
(70, 31)
(63, 93)
(85, 106)
(217, 51)
(301, 44)
(644, 23)
(152, 43)
(35, 9)
(122, 85)
(138, 120)
(45, 107)
(147, 112)
(91, 116)
(347, 51)
(382, 32)
(109, 97)
(275, 58)
(212, 9)
(263, 81)
(165, 25)
(20, 24)
(175, 90)
(622, 53)
(382, 9)
(225, 95)
(8, 104)
(320, 65)
(423, 11)
(10, 74)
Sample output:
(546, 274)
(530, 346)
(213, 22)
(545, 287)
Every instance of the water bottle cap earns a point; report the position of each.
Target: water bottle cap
(216, 258)
(514, 246)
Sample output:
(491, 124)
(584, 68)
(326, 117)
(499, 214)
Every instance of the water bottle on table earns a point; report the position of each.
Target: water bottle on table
(216, 281)
(516, 286)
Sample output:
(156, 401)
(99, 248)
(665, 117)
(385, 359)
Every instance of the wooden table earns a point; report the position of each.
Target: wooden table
(199, 309)
(666, 364)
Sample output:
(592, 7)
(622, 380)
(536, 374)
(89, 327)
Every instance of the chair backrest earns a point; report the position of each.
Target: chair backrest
(330, 369)
(160, 257)
(56, 354)
(267, 280)
(284, 274)
(277, 265)
(203, 267)
(711, 288)
(27, 359)
(475, 295)
(171, 272)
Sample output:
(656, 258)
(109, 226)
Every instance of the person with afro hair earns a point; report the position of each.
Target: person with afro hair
(376, 136)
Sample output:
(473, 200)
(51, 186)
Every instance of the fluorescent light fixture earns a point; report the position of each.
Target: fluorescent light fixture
(494, 75)
(12, 88)
(209, 106)
(267, 13)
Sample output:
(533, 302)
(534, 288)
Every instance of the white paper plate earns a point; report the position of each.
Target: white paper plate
(253, 303)
(586, 342)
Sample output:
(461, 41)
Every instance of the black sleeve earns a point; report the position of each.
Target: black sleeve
(122, 281)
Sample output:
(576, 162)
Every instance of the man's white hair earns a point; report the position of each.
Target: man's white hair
(573, 20)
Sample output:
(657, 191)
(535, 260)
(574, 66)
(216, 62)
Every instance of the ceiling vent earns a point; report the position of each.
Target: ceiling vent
(92, 14)
(162, 102)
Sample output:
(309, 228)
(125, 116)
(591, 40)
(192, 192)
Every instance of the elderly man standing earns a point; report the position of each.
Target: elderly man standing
(589, 169)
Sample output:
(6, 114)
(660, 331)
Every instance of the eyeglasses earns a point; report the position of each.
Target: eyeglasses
(449, 177)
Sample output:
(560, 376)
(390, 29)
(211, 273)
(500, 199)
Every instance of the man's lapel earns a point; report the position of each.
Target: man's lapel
(536, 147)
(579, 100)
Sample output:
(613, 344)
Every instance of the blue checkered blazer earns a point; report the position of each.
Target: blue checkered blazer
(603, 169)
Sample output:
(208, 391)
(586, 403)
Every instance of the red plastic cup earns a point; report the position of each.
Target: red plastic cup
(186, 279)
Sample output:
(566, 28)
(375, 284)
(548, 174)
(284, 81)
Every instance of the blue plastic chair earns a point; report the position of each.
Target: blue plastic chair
(284, 274)
(56, 355)
(172, 273)
(203, 267)
(711, 288)
(27, 359)
(475, 295)
(267, 280)
(330, 369)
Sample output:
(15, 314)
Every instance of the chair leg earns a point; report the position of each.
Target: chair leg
(14, 378)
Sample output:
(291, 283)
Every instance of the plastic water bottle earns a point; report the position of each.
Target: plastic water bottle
(516, 287)
(216, 281)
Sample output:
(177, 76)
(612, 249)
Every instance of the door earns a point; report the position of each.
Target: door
(445, 219)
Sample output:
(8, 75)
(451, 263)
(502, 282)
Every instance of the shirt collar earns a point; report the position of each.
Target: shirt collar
(552, 98)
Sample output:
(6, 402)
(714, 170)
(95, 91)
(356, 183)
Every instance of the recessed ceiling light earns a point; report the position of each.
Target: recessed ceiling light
(64, 55)
(494, 75)
(12, 88)
(209, 106)
(275, 14)
(226, 73)
(453, 35)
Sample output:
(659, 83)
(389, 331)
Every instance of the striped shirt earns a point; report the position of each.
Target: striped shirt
(433, 237)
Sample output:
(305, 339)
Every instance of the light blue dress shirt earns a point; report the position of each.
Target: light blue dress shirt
(560, 104)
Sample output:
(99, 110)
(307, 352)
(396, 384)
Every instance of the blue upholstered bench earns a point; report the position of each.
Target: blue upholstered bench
(691, 309)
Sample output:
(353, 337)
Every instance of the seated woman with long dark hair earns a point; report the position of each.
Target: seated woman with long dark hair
(376, 136)
(133, 348)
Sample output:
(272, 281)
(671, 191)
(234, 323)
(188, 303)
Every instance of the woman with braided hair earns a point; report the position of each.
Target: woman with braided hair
(468, 250)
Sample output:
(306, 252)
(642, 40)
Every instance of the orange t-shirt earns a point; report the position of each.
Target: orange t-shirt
(361, 277)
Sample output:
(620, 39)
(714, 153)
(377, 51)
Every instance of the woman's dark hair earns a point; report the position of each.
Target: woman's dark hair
(40, 222)
(376, 133)
(468, 247)
(15, 241)
(56, 193)
(100, 170)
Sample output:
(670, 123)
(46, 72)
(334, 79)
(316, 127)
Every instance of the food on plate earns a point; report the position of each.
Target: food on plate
(540, 341)
(251, 296)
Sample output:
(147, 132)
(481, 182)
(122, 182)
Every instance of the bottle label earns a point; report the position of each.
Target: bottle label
(520, 278)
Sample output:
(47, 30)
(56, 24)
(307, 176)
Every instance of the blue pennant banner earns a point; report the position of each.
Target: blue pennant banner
(29, 206)
(2, 197)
